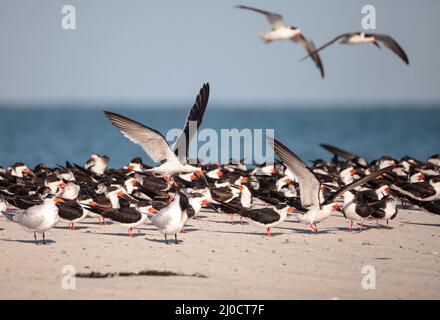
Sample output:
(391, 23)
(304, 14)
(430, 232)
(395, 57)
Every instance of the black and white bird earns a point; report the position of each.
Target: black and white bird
(420, 191)
(38, 218)
(365, 38)
(281, 31)
(97, 164)
(314, 208)
(337, 152)
(172, 160)
(130, 217)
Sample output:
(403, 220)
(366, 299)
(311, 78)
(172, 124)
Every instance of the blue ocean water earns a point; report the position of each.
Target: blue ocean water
(53, 136)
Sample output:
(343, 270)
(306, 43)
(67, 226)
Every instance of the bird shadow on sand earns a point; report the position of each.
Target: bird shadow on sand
(67, 228)
(170, 241)
(190, 229)
(97, 223)
(307, 231)
(122, 234)
(228, 222)
(423, 224)
(48, 241)
(252, 233)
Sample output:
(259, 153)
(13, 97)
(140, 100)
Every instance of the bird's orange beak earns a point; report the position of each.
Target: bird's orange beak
(288, 180)
(353, 171)
(133, 182)
(26, 170)
(130, 167)
(291, 209)
(58, 200)
(120, 194)
(219, 173)
(198, 173)
(62, 185)
(205, 202)
(241, 188)
(336, 207)
(152, 210)
(421, 177)
(92, 203)
(244, 179)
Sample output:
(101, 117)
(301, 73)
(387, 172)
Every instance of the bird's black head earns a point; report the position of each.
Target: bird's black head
(183, 202)
(136, 160)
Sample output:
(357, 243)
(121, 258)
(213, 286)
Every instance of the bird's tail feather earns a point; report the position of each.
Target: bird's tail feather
(10, 216)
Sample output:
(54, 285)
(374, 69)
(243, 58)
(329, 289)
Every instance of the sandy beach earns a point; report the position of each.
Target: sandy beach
(220, 260)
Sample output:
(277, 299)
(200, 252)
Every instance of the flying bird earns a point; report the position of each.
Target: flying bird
(281, 31)
(365, 38)
(172, 160)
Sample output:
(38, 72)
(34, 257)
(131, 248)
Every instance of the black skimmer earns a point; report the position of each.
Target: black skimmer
(345, 155)
(420, 191)
(97, 164)
(265, 217)
(365, 38)
(128, 217)
(281, 31)
(71, 211)
(69, 190)
(435, 160)
(314, 208)
(360, 205)
(37, 219)
(385, 209)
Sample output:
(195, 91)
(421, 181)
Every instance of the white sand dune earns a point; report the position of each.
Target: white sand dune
(239, 261)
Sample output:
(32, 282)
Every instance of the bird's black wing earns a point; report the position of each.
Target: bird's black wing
(358, 183)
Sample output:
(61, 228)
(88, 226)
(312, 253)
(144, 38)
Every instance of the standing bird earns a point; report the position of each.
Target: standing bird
(362, 38)
(171, 219)
(37, 219)
(281, 31)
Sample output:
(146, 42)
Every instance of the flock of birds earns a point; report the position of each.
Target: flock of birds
(281, 31)
(174, 191)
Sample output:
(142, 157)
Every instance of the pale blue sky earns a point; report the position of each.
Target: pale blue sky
(159, 52)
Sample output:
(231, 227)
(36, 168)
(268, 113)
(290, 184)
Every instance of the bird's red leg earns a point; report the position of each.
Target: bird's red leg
(268, 232)
(168, 181)
(351, 226)
(173, 182)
